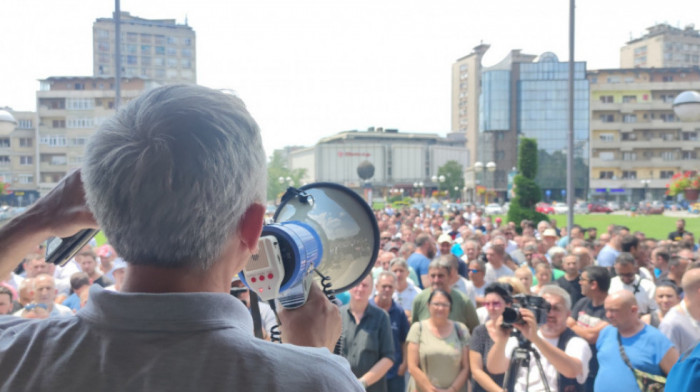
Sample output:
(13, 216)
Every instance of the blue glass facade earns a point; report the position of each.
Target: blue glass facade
(494, 101)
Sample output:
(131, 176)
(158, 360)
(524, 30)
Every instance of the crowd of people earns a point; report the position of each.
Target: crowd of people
(455, 301)
(618, 308)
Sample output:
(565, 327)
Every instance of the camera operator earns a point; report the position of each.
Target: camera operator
(564, 356)
(176, 180)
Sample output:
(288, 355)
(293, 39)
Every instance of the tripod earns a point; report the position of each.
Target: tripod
(519, 358)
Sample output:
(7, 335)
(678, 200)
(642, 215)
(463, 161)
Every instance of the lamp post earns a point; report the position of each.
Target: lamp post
(439, 180)
(419, 185)
(491, 167)
(646, 188)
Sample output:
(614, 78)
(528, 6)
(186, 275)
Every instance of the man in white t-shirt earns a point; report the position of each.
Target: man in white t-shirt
(564, 356)
(628, 279)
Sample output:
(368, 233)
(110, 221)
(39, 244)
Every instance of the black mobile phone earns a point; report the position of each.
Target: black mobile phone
(60, 250)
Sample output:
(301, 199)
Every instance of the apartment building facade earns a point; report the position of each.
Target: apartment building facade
(637, 142)
(663, 46)
(17, 157)
(157, 49)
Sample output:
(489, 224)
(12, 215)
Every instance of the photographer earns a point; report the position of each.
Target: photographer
(564, 356)
(176, 180)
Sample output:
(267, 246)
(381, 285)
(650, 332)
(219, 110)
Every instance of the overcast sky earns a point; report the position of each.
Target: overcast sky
(312, 68)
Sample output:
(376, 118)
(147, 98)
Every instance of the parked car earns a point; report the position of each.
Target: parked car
(654, 208)
(581, 208)
(613, 205)
(598, 206)
(493, 209)
(544, 208)
(560, 208)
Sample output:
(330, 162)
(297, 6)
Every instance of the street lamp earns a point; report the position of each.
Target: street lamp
(288, 180)
(419, 185)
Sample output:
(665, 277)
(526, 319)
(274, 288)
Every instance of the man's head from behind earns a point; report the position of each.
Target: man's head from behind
(171, 175)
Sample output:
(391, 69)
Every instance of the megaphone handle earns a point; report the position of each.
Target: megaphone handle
(326, 285)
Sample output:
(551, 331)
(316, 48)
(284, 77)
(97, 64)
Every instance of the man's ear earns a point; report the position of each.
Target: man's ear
(250, 226)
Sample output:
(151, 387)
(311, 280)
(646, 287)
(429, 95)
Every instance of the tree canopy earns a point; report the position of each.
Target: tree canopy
(452, 170)
(276, 169)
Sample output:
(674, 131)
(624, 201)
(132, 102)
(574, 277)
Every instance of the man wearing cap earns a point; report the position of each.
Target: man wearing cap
(118, 272)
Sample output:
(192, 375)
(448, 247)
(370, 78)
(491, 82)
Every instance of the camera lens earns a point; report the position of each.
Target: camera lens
(511, 316)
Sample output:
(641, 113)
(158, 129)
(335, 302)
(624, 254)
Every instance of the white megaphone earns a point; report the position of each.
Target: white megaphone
(320, 230)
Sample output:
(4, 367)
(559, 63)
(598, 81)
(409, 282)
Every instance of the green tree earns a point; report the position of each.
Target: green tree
(276, 169)
(527, 193)
(452, 171)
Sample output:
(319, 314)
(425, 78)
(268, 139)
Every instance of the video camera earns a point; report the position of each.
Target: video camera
(537, 305)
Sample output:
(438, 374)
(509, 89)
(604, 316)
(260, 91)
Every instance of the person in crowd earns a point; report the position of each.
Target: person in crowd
(181, 261)
(645, 348)
(462, 310)
(564, 356)
(660, 257)
(608, 254)
(438, 348)
(406, 291)
(420, 259)
(367, 342)
(386, 286)
(680, 230)
(496, 266)
(628, 279)
(118, 272)
(588, 315)
(79, 282)
(682, 323)
(25, 292)
(5, 301)
(685, 374)
(667, 295)
(524, 275)
(555, 256)
(383, 263)
(543, 273)
(44, 288)
(570, 280)
(477, 273)
(88, 264)
(677, 266)
(457, 282)
(498, 296)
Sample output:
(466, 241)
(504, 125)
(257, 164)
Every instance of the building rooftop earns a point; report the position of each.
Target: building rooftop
(126, 18)
(667, 29)
(5, 116)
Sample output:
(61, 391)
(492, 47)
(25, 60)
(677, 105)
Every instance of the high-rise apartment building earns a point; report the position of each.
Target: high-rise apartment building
(70, 108)
(157, 49)
(663, 47)
(523, 95)
(637, 142)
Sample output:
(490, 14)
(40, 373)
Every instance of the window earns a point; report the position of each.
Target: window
(613, 79)
(629, 118)
(79, 103)
(160, 40)
(58, 123)
(648, 154)
(668, 155)
(160, 49)
(667, 78)
(170, 51)
(667, 117)
(4, 160)
(186, 52)
(629, 99)
(606, 156)
(26, 142)
(132, 37)
(629, 156)
(665, 174)
(187, 41)
(172, 63)
(131, 49)
(131, 60)
(26, 179)
(54, 140)
(605, 175)
(629, 136)
(78, 141)
(686, 155)
(607, 137)
(26, 160)
(80, 122)
(24, 124)
(690, 136)
(172, 41)
(80, 86)
(607, 118)
(667, 98)
(146, 61)
(606, 99)
(159, 61)
(5, 142)
(629, 175)
(669, 136)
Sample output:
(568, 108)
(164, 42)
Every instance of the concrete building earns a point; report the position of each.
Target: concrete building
(663, 47)
(17, 157)
(637, 142)
(522, 95)
(400, 159)
(157, 49)
(69, 109)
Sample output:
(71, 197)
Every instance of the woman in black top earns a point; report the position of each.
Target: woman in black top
(497, 297)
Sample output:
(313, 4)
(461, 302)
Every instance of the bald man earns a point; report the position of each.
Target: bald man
(646, 348)
(682, 323)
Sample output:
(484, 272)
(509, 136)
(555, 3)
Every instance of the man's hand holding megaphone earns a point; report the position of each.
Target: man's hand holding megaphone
(317, 323)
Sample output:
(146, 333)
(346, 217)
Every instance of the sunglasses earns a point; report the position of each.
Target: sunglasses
(474, 271)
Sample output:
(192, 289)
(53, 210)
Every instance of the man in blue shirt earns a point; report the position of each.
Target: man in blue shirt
(385, 287)
(420, 259)
(606, 257)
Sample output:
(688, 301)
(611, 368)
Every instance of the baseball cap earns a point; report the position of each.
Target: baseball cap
(549, 233)
(444, 238)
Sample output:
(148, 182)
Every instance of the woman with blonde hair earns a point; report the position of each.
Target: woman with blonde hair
(543, 273)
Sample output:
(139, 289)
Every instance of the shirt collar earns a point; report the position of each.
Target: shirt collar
(166, 311)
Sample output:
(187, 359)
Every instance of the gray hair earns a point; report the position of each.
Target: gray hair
(389, 274)
(170, 176)
(442, 262)
(553, 289)
(400, 262)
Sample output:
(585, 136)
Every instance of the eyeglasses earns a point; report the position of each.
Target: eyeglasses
(440, 304)
(385, 238)
(494, 304)
(582, 279)
(38, 305)
(474, 271)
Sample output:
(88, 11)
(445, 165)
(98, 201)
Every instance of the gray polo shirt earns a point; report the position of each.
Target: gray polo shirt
(159, 342)
(364, 344)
